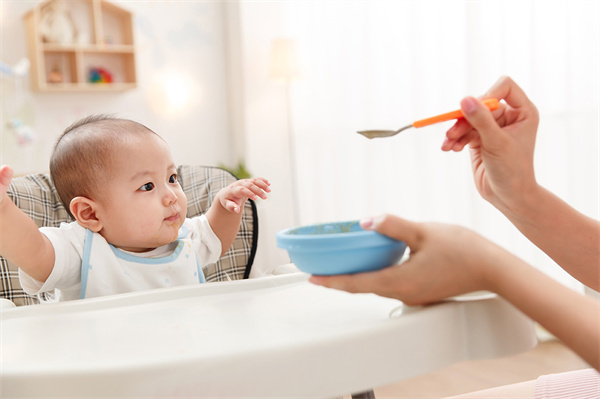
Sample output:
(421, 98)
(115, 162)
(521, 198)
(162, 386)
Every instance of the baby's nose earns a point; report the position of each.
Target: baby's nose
(170, 197)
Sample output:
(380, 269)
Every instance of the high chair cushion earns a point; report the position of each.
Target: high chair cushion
(36, 196)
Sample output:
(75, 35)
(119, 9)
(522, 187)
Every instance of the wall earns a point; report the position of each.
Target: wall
(265, 124)
(175, 40)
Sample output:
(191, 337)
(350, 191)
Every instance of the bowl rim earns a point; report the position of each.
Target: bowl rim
(286, 232)
(331, 241)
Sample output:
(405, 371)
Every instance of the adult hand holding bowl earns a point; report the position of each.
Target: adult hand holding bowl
(339, 248)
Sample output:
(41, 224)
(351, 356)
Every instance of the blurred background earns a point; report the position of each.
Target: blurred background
(283, 86)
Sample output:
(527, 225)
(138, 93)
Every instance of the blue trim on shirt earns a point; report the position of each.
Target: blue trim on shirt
(85, 261)
(148, 261)
(183, 232)
(201, 277)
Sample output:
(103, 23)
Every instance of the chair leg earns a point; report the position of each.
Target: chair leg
(364, 395)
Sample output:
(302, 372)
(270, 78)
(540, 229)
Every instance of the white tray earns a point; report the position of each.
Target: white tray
(269, 337)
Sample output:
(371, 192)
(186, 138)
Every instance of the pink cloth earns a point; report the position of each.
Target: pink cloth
(579, 384)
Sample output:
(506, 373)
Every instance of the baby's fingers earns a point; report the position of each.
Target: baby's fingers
(255, 188)
(247, 191)
(239, 193)
(6, 174)
(232, 206)
(262, 183)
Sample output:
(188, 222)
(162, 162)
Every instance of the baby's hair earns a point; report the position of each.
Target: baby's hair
(82, 158)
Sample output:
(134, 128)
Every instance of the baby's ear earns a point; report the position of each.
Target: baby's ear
(84, 211)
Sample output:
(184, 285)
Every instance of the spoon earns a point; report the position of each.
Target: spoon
(491, 103)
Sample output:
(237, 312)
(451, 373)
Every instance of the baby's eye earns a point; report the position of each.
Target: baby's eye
(147, 187)
(173, 178)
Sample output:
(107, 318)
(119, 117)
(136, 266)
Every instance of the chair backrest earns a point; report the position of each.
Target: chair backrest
(36, 196)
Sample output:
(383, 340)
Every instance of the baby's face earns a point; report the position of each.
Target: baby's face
(142, 206)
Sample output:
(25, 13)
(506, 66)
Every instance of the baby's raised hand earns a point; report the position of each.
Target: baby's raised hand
(235, 195)
(6, 173)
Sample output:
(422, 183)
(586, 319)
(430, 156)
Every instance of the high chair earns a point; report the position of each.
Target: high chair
(36, 196)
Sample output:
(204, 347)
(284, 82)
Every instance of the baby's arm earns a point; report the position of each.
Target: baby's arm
(225, 214)
(20, 239)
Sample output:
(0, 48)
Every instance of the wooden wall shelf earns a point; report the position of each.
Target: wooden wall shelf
(99, 57)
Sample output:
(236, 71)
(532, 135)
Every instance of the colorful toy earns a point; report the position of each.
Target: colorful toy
(24, 133)
(100, 75)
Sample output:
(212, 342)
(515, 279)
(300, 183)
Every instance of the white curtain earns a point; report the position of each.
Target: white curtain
(384, 64)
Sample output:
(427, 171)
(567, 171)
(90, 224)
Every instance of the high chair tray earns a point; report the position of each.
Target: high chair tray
(270, 337)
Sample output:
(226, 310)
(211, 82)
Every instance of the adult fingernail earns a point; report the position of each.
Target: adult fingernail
(377, 220)
(468, 105)
(366, 223)
(446, 144)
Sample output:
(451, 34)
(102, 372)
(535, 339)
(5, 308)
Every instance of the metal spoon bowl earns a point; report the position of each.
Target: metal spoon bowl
(373, 134)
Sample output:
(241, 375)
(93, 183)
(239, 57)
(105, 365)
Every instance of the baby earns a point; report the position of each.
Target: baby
(118, 181)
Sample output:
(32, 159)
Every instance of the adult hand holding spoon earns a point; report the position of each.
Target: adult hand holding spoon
(491, 103)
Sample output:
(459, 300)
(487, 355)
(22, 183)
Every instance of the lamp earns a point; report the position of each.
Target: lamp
(284, 68)
(284, 60)
(173, 93)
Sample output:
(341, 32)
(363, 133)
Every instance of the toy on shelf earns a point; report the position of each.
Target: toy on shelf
(55, 75)
(56, 25)
(100, 75)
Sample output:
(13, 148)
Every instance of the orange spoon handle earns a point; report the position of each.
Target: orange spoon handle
(491, 103)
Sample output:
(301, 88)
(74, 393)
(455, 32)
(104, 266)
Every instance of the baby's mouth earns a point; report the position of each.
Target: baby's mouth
(172, 218)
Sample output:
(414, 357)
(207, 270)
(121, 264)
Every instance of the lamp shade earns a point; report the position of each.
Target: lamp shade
(284, 60)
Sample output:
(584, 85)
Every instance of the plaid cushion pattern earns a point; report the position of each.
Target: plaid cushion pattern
(36, 196)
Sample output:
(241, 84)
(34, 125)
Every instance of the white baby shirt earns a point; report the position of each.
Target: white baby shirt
(87, 266)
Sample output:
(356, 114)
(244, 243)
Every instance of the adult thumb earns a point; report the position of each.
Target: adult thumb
(395, 227)
(482, 120)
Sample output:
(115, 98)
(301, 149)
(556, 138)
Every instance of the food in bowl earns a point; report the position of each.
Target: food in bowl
(339, 248)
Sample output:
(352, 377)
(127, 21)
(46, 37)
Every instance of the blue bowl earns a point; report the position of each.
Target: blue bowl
(339, 248)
